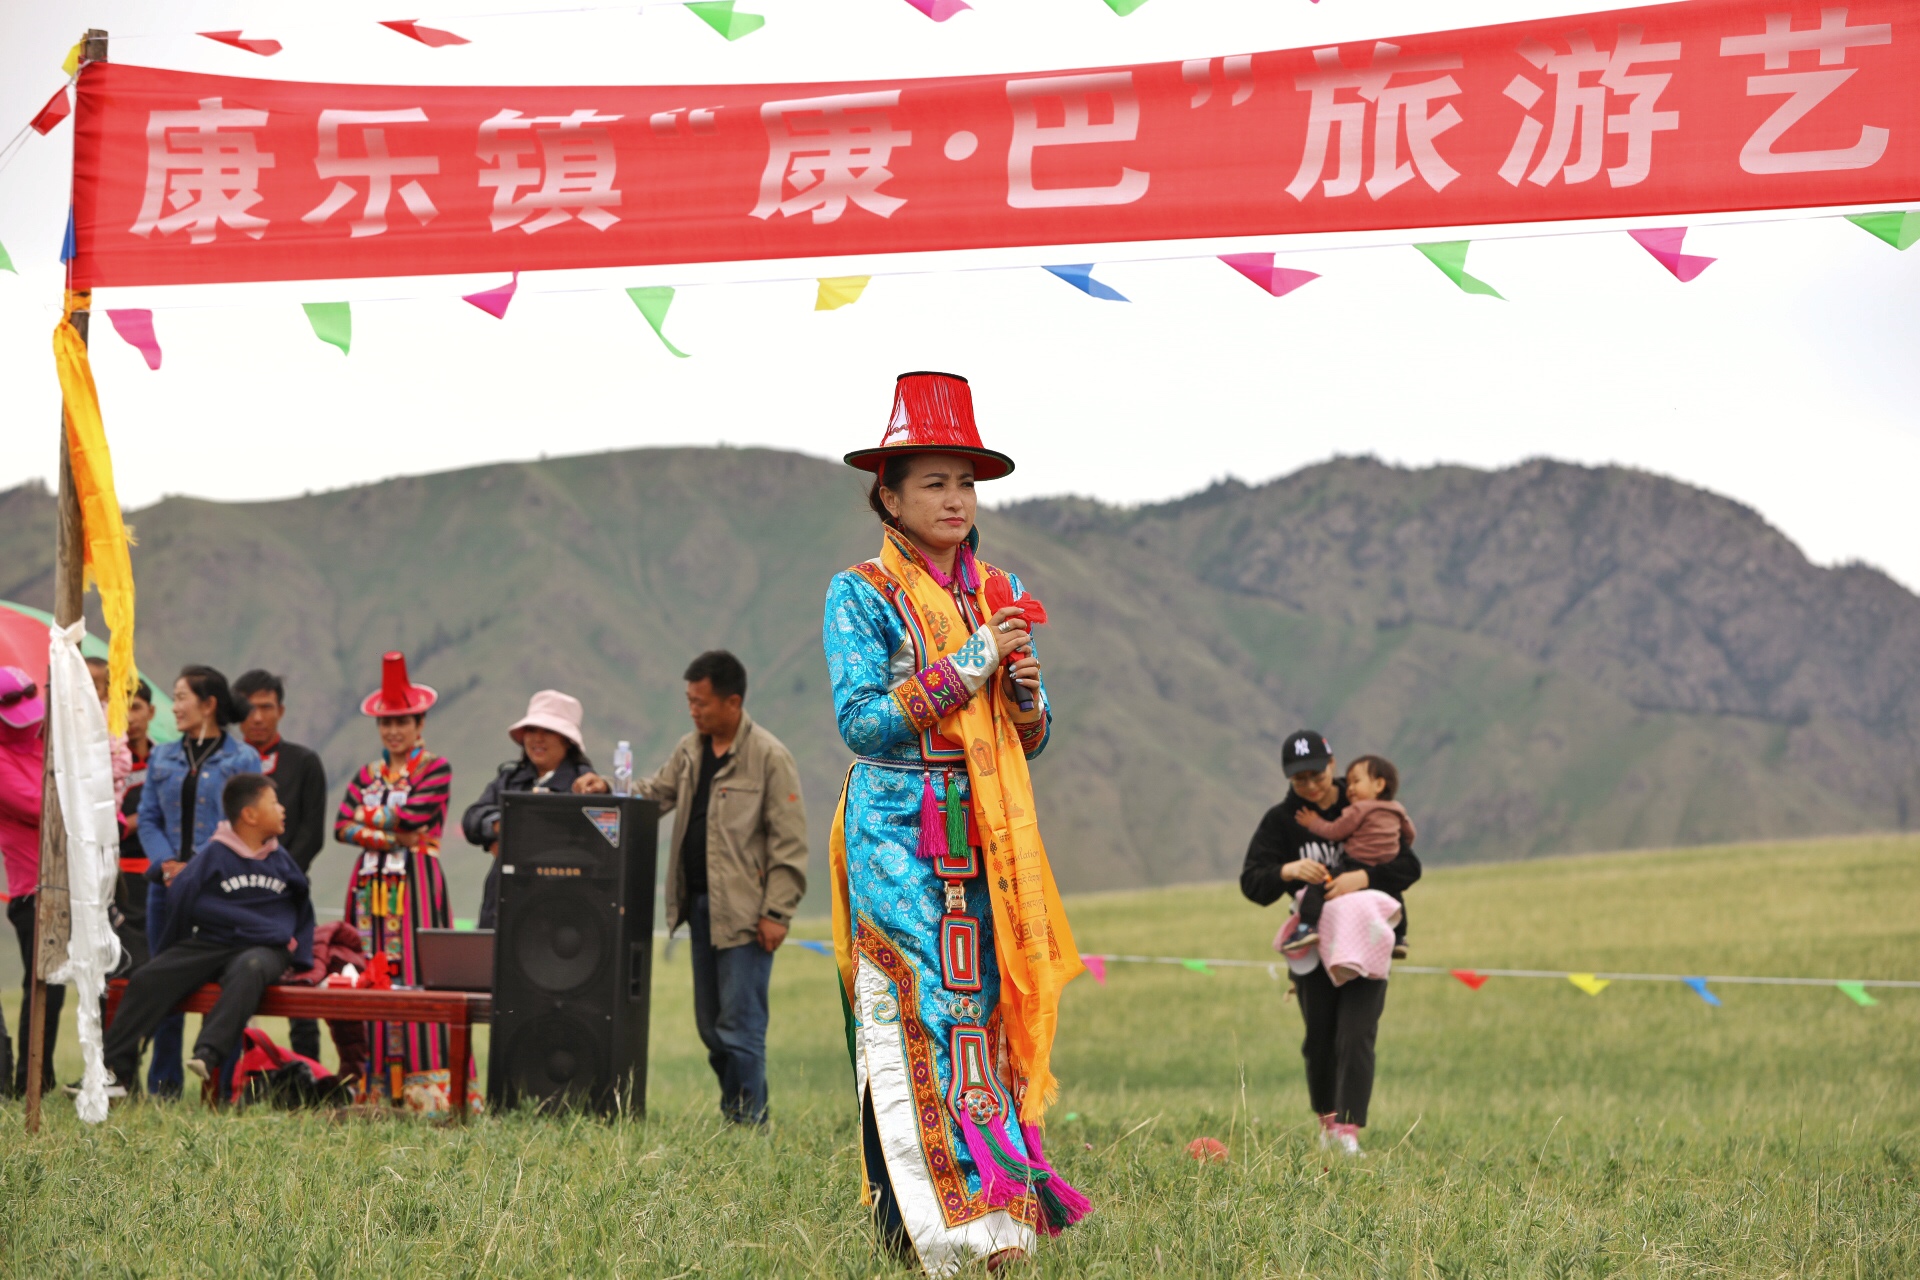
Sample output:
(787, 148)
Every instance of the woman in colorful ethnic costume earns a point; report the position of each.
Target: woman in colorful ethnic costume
(952, 943)
(393, 813)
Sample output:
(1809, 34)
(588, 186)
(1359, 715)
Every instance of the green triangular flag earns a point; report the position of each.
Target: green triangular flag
(1198, 966)
(1124, 7)
(1451, 258)
(332, 322)
(1856, 992)
(5, 261)
(719, 15)
(653, 301)
(1898, 227)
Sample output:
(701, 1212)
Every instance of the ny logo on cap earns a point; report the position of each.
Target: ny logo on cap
(1299, 746)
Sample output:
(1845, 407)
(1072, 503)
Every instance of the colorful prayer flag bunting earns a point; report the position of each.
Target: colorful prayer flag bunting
(1451, 257)
(1474, 981)
(1080, 276)
(1588, 983)
(720, 15)
(1857, 992)
(1097, 966)
(653, 301)
(137, 328)
(815, 945)
(265, 48)
(1898, 227)
(494, 301)
(58, 108)
(1259, 268)
(332, 322)
(839, 291)
(1125, 7)
(1699, 986)
(1664, 244)
(940, 10)
(1198, 966)
(432, 37)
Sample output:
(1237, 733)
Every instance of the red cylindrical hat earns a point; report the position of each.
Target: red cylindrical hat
(397, 695)
(933, 413)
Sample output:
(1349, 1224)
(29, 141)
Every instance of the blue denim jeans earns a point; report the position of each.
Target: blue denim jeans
(165, 1074)
(730, 1010)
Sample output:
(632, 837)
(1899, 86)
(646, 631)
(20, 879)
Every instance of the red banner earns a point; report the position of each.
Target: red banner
(1714, 105)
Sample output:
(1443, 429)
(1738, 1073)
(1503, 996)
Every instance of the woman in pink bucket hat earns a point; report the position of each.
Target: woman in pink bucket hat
(553, 758)
(393, 813)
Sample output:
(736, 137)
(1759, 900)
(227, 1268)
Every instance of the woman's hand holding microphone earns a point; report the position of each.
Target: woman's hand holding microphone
(1014, 640)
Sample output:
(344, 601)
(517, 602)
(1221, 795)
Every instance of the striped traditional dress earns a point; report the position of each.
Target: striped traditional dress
(393, 893)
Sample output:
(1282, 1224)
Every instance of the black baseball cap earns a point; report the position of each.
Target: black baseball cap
(1306, 751)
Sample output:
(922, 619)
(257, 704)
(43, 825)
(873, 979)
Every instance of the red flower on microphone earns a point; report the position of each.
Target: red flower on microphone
(1000, 596)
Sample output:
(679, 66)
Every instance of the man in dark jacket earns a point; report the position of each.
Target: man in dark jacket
(301, 781)
(238, 913)
(1341, 1021)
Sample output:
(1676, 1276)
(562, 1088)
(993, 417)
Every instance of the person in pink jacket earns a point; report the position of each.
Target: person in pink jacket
(23, 751)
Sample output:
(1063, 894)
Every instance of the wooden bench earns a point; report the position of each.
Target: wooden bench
(458, 1009)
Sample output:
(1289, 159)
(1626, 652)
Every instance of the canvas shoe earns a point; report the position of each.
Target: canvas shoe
(200, 1069)
(1326, 1131)
(1303, 937)
(115, 1089)
(1346, 1140)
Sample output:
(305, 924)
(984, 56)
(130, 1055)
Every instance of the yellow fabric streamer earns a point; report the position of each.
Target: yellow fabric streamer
(109, 557)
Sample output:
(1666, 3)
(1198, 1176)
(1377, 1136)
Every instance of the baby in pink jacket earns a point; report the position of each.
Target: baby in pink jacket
(1372, 830)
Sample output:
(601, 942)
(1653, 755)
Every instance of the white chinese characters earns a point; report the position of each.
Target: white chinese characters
(833, 151)
(375, 166)
(1407, 107)
(1075, 95)
(573, 177)
(1580, 109)
(203, 172)
(1805, 90)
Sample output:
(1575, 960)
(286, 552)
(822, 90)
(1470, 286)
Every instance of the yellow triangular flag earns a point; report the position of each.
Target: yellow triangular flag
(839, 291)
(1588, 983)
(72, 65)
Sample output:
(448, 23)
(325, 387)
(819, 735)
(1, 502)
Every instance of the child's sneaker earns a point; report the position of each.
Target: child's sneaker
(1346, 1140)
(1327, 1127)
(1303, 937)
(1399, 951)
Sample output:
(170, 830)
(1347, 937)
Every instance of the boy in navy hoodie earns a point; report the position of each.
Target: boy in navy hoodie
(238, 913)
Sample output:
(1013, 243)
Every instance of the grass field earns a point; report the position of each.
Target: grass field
(1526, 1130)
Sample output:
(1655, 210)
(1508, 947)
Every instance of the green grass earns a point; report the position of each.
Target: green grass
(1526, 1130)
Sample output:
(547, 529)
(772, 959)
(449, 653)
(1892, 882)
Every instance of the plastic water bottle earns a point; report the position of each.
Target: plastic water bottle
(623, 769)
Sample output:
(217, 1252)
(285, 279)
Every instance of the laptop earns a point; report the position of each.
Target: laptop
(455, 959)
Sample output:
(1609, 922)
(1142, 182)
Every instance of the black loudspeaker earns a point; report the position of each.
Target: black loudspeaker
(573, 952)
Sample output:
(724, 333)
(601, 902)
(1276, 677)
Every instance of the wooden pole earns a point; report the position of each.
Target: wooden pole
(53, 913)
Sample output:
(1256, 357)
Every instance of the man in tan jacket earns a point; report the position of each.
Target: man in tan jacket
(737, 870)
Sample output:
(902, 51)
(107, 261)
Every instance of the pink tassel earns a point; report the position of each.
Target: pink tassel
(1076, 1205)
(996, 1184)
(933, 824)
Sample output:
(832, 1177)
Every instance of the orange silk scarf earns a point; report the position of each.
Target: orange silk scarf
(1031, 936)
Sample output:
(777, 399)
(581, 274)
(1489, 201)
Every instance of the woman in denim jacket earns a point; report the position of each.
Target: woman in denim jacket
(179, 810)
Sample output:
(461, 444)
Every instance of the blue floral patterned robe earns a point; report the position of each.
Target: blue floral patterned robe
(902, 1014)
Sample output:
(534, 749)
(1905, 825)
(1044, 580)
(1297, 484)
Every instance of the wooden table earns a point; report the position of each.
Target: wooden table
(458, 1009)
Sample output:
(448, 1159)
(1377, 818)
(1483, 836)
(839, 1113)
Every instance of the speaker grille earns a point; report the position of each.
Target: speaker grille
(560, 938)
(557, 1055)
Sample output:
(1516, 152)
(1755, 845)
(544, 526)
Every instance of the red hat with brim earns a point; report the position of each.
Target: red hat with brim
(397, 695)
(933, 413)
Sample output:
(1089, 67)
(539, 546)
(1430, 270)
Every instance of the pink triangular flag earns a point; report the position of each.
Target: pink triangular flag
(1097, 966)
(494, 301)
(1664, 244)
(1259, 268)
(265, 48)
(939, 10)
(432, 37)
(137, 328)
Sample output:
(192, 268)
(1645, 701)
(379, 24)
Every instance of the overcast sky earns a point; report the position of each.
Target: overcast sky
(1785, 376)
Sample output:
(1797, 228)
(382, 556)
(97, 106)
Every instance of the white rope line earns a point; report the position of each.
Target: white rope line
(1728, 979)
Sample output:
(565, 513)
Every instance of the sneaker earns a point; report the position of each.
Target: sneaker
(1346, 1140)
(1303, 937)
(1399, 951)
(1326, 1131)
(200, 1069)
(114, 1088)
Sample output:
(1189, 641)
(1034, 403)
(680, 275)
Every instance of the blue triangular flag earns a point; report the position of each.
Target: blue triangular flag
(1699, 986)
(1080, 276)
(68, 251)
(812, 945)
